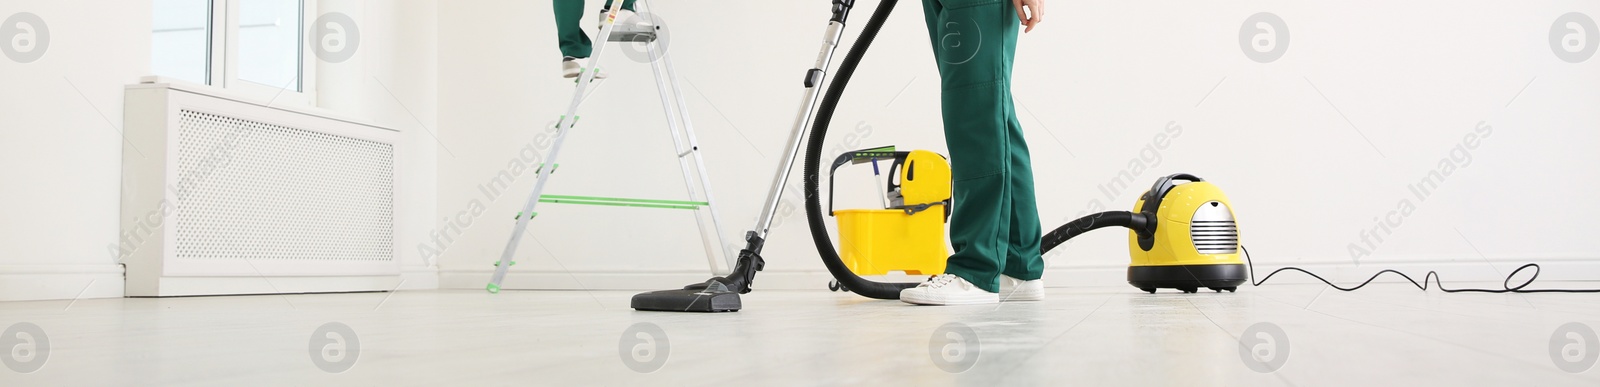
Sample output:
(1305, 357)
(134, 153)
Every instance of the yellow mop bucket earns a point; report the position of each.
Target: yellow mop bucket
(877, 242)
(907, 237)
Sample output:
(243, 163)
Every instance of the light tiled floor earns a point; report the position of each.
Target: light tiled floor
(1387, 335)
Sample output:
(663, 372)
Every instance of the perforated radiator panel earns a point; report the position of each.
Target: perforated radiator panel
(256, 191)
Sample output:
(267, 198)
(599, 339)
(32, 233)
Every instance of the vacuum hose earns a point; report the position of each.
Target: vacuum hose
(819, 133)
(1137, 222)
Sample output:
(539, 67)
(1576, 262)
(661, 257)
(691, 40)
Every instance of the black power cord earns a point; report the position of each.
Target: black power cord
(1424, 285)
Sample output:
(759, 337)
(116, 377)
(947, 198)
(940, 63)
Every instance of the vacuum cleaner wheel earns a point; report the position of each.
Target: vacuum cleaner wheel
(1187, 278)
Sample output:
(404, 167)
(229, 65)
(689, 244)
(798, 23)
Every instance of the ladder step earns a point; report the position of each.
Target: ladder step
(623, 202)
(632, 33)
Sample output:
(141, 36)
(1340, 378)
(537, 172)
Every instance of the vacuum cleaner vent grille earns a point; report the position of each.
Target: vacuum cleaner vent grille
(1213, 230)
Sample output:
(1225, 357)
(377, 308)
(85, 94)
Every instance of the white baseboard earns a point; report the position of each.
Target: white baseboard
(67, 282)
(225, 286)
(419, 278)
(60, 282)
(1454, 273)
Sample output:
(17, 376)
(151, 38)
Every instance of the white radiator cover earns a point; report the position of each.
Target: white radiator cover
(229, 196)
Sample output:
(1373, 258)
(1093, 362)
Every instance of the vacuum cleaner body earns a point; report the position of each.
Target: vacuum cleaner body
(1195, 241)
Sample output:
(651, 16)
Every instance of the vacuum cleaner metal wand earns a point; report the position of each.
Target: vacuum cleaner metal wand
(802, 122)
(721, 294)
(750, 258)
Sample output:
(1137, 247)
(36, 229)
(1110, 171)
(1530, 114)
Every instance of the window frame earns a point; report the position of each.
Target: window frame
(222, 68)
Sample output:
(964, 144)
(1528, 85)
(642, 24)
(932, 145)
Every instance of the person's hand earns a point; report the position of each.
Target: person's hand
(1033, 16)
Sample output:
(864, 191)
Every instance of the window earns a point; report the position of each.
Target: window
(254, 47)
(182, 40)
(269, 43)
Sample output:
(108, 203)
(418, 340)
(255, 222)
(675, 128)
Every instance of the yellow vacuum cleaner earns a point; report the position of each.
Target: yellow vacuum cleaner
(1192, 242)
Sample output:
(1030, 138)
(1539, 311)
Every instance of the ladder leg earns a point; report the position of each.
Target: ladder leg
(563, 128)
(717, 245)
(699, 158)
(712, 247)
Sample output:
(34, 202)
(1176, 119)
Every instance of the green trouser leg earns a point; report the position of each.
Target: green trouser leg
(995, 226)
(569, 13)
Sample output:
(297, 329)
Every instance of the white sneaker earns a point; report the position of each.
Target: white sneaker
(627, 18)
(948, 289)
(570, 68)
(1012, 289)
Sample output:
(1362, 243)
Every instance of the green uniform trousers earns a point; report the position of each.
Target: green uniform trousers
(995, 225)
(569, 13)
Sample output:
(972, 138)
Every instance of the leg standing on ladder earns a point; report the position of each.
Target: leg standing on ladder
(575, 44)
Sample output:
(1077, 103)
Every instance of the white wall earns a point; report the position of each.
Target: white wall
(61, 118)
(61, 149)
(1312, 147)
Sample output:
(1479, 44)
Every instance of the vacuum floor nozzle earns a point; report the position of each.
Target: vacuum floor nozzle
(712, 297)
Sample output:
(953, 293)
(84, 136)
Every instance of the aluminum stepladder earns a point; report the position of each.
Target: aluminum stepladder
(685, 145)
